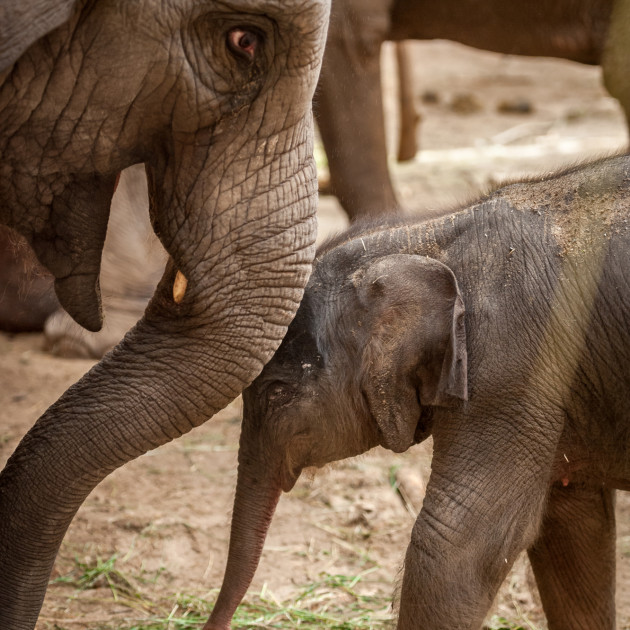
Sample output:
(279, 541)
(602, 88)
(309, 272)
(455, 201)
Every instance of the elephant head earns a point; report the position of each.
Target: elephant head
(377, 343)
(215, 98)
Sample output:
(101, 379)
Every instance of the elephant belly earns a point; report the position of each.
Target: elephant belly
(517, 28)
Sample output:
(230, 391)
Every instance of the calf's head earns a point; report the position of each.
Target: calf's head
(372, 347)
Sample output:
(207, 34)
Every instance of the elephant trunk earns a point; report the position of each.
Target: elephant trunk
(254, 505)
(183, 362)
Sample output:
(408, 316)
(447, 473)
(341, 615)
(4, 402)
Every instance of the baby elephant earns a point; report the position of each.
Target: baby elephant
(503, 330)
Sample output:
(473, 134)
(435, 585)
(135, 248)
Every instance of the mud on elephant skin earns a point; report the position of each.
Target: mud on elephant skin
(502, 331)
(215, 99)
(349, 105)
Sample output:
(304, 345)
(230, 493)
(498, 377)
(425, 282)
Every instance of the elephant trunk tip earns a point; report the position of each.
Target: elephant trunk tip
(212, 625)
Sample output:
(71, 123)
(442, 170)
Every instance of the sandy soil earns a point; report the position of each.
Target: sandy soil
(166, 515)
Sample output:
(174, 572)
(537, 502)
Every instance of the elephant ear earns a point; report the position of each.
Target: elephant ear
(415, 351)
(22, 22)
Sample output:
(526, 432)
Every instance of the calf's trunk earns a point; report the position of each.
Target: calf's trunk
(254, 506)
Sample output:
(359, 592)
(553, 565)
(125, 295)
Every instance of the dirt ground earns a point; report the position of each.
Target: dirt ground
(166, 515)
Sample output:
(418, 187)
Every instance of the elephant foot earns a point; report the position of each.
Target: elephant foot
(63, 337)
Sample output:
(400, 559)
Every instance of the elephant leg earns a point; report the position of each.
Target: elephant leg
(349, 111)
(409, 114)
(574, 558)
(616, 56)
(483, 506)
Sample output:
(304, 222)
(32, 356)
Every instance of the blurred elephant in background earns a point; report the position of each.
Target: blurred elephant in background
(215, 99)
(408, 111)
(349, 107)
(502, 331)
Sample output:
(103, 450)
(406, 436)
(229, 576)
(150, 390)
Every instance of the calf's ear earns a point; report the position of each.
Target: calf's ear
(23, 22)
(415, 342)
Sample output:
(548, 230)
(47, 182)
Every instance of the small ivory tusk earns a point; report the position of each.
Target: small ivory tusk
(179, 287)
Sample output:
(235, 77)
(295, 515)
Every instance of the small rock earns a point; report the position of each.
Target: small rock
(430, 97)
(465, 104)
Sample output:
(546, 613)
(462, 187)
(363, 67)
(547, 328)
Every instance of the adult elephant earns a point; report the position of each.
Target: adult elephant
(215, 98)
(349, 106)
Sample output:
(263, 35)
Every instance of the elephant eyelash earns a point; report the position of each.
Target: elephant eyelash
(277, 392)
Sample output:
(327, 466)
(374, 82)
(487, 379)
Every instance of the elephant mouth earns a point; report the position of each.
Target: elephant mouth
(424, 426)
(288, 480)
(289, 473)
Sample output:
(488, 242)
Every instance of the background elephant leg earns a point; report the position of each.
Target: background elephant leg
(616, 56)
(63, 337)
(574, 558)
(349, 110)
(409, 113)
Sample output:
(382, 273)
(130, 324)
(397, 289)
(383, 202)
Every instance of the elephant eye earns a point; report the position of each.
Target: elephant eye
(275, 392)
(244, 42)
(279, 393)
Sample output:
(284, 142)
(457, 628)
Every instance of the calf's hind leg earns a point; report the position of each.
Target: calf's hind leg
(574, 558)
(484, 504)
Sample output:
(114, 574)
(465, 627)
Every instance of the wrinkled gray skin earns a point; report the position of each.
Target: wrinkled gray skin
(501, 330)
(349, 106)
(133, 262)
(215, 98)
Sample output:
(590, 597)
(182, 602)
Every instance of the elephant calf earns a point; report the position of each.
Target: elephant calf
(503, 330)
